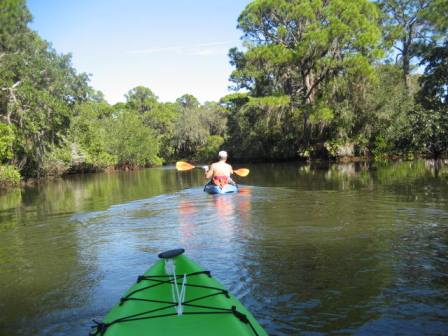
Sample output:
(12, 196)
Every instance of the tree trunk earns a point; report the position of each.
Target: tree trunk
(309, 99)
(406, 59)
(309, 85)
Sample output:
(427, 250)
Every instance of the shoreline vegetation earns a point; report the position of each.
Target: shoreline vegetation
(321, 80)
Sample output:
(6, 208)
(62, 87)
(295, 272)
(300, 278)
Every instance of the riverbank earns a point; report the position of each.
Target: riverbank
(367, 162)
(10, 177)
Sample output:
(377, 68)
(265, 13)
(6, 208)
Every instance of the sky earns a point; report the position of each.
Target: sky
(172, 47)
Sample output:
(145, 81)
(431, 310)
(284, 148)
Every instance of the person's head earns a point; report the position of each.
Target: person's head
(222, 155)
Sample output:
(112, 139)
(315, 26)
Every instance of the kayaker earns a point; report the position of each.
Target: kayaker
(220, 171)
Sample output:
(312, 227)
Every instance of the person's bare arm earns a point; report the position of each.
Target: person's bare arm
(209, 173)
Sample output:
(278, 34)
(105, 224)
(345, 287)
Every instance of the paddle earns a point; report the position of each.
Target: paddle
(182, 166)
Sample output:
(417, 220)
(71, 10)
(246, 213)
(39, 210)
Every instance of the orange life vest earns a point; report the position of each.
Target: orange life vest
(220, 181)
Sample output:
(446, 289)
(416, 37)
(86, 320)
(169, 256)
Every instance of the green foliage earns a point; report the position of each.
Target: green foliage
(195, 124)
(9, 176)
(38, 88)
(214, 117)
(373, 113)
(189, 132)
(56, 161)
(141, 99)
(297, 50)
(315, 83)
(321, 114)
(160, 117)
(269, 102)
(322, 57)
(208, 152)
(436, 14)
(380, 147)
(332, 147)
(410, 24)
(14, 17)
(434, 82)
(90, 136)
(429, 120)
(429, 130)
(261, 129)
(6, 142)
(131, 141)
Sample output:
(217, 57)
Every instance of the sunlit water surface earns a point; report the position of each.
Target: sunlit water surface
(341, 249)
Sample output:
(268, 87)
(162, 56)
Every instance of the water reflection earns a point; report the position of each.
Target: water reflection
(310, 249)
(224, 213)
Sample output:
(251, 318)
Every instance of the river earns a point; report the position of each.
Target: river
(310, 250)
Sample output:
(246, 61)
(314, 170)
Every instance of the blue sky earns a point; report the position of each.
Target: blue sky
(172, 46)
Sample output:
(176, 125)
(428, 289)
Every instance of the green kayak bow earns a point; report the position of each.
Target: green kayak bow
(176, 297)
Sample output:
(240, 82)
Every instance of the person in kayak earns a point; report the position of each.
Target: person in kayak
(220, 171)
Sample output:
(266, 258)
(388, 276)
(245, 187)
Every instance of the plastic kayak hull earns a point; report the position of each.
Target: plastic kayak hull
(214, 189)
(151, 306)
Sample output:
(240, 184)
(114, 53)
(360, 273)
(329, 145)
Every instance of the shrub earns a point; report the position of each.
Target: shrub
(56, 161)
(9, 176)
(209, 150)
(6, 141)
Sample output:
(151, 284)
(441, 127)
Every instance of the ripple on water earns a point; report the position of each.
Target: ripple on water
(308, 260)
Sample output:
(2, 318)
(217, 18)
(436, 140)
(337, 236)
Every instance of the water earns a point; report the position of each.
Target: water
(341, 249)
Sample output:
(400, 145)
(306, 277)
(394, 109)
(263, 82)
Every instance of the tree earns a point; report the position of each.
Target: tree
(6, 142)
(260, 128)
(209, 150)
(407, 26)
(434, 82)
(214, 116)
(295, 49)
(373, 114)
(14, 17)
(141, 99)
(189, 131)
(90, 136)
(38, 88)
(436, 13)
(198, 128)
(162, 119)
(429, 121)
(131, 142)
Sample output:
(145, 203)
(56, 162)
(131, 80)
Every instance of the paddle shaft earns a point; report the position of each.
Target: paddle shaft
(182, 166)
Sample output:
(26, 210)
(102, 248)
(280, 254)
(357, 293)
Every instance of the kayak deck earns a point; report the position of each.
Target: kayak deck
(212, 188)
(152, 306)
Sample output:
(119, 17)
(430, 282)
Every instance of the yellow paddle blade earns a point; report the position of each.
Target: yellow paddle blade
(181, 165)
(242, 172)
